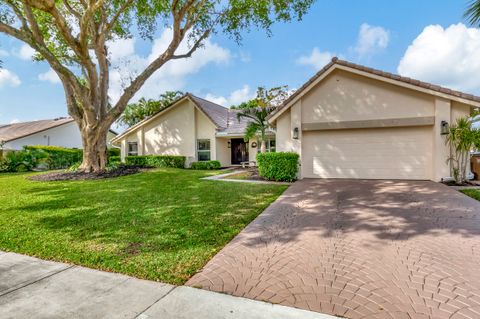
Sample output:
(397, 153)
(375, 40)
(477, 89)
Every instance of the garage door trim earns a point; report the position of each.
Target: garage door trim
(377, 123)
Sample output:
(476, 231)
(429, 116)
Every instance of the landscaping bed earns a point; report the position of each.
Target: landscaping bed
(162, 224)
(80, 176)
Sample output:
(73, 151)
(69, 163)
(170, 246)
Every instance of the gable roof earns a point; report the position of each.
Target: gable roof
(335, 63)
(217, 114)
(10, 132)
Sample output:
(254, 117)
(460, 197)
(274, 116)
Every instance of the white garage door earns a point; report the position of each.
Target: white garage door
(382, 153)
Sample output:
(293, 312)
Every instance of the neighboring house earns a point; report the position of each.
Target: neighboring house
(62, 132)
(350, 121)
(195, 128)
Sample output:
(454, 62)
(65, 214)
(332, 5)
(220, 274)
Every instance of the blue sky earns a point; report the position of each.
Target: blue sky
(421, 39)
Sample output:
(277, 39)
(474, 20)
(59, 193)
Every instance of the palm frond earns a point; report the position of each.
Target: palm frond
(472, 14)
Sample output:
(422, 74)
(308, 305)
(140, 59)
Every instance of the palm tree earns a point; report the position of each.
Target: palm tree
(258, 109)
(472, 14)
(258, 125)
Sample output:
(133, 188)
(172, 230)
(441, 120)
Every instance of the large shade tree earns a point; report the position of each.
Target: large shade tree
(72, 36)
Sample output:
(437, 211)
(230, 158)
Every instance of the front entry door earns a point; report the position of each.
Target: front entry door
(239, 150)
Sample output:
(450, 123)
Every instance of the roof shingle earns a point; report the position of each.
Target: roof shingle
(15, 131)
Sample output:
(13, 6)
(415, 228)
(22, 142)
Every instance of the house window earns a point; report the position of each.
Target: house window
(269, 143)
(132, 148)
(203, 150)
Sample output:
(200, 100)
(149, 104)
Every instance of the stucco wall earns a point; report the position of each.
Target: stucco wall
(172, 133)
(344, 96)
(283, 133)
(67, 135)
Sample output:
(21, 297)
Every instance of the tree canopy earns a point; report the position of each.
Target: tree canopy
(73, 36)
(144, 108)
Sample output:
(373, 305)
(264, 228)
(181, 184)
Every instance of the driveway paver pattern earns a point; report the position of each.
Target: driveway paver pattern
(358, 249)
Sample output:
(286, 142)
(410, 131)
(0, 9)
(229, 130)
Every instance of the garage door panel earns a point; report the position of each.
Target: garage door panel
(401, 153)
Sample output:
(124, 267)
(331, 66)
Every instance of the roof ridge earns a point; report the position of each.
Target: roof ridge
(396, 77)
(203, 99)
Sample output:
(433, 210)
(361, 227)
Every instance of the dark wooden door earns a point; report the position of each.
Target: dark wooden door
(239, 150)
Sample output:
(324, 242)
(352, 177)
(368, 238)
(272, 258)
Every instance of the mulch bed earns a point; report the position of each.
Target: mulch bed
(452, 183)
(80, 176)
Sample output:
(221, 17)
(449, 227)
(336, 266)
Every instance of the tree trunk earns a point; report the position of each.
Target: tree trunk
(94, 150)
(263, 146)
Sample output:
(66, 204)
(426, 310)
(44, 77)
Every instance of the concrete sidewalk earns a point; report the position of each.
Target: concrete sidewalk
(34, 288)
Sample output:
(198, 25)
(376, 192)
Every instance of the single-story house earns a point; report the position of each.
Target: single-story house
(62, 131)
(347, 121)
(195, 128)
(350, 121)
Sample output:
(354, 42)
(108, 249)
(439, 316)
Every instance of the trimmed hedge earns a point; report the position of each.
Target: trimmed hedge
(114, 160)
(156, 161)
(113, 152)
(58, 157)
(281, 166)
(206, 165)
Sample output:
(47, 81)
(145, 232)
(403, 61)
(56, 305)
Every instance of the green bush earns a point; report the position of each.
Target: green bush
(206, 165)
(22, 161)
(113, 152)
(156, 161)
(281, 166)
(114, 160)
(58, 157)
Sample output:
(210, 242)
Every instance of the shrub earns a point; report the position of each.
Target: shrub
(58, 157)
(113, 152)
(206, 165)
(281, 166)
(114, 160)
(156, 161)
(22, 161)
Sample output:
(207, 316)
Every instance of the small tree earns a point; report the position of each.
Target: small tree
(257, 111)
(72, 36)
(462, 139)
(137, 112)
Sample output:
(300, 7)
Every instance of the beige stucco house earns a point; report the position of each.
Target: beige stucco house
(350, 121)
(347, 121)
(195, 128)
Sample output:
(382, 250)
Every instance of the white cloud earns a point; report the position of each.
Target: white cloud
(446, 57)
(8, 78)
(317, 59)
(14, 121)
(371, 39)
(26, 52)
(172, 75)
(236, 97)
(49, 76)
(121, 48)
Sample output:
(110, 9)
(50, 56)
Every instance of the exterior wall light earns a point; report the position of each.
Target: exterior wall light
(295, 133)
(444, 128)
(229, 144)
(254, 144)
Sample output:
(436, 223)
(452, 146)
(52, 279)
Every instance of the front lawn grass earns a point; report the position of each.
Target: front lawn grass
(473, 193)
(161, 225)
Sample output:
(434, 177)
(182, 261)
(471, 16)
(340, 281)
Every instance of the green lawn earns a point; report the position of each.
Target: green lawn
(160, 225)
(473, 193)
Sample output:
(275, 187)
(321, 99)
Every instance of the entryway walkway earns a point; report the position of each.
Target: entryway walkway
(359, 249)
(34, 288)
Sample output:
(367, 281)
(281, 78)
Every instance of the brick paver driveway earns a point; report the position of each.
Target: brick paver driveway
(359, 249)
